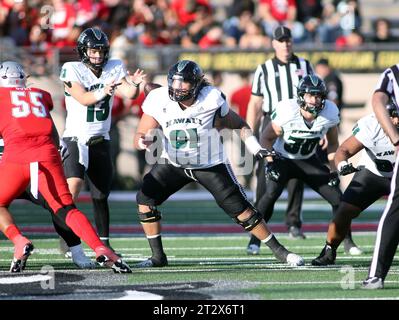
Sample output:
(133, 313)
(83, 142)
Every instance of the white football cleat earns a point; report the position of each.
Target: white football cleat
(295, 260)
(351, 248)
(253, 249)
(355, 251)
(373, 283)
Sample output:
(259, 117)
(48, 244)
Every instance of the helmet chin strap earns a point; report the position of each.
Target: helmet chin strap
(313, 111)
(97, 70)
(187, 103)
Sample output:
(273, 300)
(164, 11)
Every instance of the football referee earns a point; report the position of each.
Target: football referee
(275, 80)
(387, 239)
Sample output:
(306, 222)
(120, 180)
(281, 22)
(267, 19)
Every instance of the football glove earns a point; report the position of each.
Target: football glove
(263, 153)
(63, 149)
(347, 169)
(272, 171)
(334, 179)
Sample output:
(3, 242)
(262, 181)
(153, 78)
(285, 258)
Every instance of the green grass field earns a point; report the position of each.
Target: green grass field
(201, 266)
(216, 267)
(185, 212)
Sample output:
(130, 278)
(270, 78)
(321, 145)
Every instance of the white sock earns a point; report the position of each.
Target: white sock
(268, 238)
(154, 236)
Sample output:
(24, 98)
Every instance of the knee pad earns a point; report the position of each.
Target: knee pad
(151, 216)
(251, 222)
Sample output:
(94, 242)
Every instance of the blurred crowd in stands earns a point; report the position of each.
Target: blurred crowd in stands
(246, 24)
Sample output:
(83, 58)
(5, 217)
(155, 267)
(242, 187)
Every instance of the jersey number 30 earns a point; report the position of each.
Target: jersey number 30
(304, 146)
(22, 108)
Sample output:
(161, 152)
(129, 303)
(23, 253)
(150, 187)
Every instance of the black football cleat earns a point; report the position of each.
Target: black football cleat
(19, 264)
(118, 266)
(107, 258)
(153, 263)
(326, 257)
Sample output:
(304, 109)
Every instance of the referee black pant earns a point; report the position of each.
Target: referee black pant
(388, 232)
(295, 189)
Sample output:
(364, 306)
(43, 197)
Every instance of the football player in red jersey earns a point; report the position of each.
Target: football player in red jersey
(72, 241)
(31, 157)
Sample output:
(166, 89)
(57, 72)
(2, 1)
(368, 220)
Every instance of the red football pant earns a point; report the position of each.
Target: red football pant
(52, 185)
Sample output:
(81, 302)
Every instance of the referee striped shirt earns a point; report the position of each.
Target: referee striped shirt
(276, 81)
(389, 83)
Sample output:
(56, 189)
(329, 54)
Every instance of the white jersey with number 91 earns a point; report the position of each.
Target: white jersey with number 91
(94, 120)
(190, 139)
(299, 139)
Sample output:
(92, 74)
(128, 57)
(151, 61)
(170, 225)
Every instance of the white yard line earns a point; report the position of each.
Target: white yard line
(24, 279)
(218, 248)
(215, 237)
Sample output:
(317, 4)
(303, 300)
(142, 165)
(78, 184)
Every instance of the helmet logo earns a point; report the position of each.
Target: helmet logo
(314, 79)
(97, 33)
(182, 65)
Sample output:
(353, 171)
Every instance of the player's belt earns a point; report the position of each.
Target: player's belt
(91, 142)
(95, 140)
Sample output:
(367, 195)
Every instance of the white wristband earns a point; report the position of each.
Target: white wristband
(341, 164)
(252, 145)
(99, 94)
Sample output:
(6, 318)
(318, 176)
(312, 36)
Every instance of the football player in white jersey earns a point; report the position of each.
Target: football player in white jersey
(371, 181)
(295, 131)
(89, 88)
(189, 111)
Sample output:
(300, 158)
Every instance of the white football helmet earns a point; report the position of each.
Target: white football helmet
(12, 75)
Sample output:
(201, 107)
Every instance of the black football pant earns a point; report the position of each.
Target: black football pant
(99, 177)
(60, 226)
(295, 190)
(310, 171)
